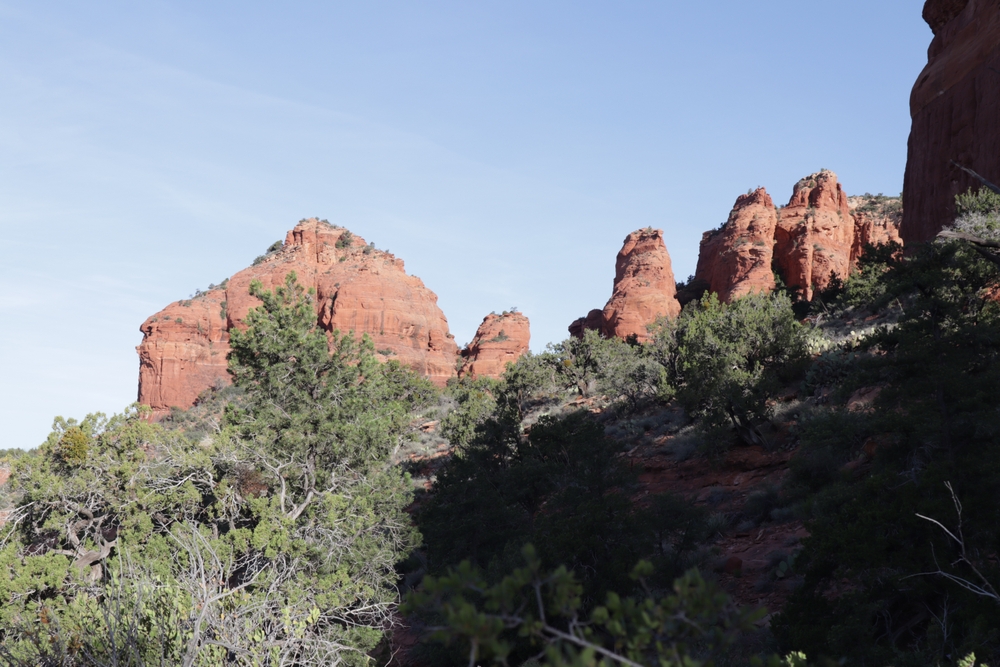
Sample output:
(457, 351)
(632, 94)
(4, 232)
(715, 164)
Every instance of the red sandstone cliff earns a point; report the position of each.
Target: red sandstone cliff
(644, 290)
(358, 288)
(821, 232)
(500, 339)
(644, 287)
(815, 234)
(735, 259)
(876, 222)
(955, 113)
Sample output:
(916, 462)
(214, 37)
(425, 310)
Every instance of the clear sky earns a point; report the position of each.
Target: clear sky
(502, 149)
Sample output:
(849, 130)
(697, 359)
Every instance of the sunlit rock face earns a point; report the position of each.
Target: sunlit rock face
(500, 339)
(357, 288)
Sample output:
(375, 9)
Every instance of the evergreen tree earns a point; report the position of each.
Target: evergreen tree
(274, 543)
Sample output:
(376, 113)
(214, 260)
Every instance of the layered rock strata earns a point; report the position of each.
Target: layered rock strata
(357, 288)
(644, 289)
(955, 114)
(500, 339)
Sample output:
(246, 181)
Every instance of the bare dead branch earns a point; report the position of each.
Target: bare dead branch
(979, 178)
(983, 588)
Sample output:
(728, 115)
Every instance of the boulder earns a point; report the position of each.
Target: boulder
(955, 114)
(357, 288)
(735, 259)
(500, 339)
(644, 287)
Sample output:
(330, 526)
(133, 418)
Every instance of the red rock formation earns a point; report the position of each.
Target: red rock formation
(644, 286)
(955, 112)
(821, 232)
(735, 259)
(358, 288)
(594, 321)
(876, 222)
(500, 339)
(183, 351)
(815, 234)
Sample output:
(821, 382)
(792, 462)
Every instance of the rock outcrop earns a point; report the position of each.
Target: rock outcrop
(594, 321)
(876, 222)
(358, 288)
(735, 259)
(644, 287)
(815, 234)
(644, 290)
(500, 339)
(819, 234)
(955, 113)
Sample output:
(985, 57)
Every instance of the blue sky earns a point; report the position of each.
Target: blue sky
(502, 149)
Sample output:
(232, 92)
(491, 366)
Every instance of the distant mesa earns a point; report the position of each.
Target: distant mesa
(358, 288)
(500, 339)
(644, 290)
(955, 112)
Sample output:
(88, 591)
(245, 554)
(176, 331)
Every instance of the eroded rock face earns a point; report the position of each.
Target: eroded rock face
(735, 259)
(644, 287)
(815, 234)
(820, 233)
(500, 339)
(876, 222)
(183, 351)
(955, 112)
(358, 288)
(594, 321)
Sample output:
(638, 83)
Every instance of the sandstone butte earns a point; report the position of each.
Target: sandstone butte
(358, 288)
(644, 289)
(735, 259)
(820, 233)
(500, 339)
(955, 114)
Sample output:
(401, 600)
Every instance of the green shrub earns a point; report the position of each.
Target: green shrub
(275, 541)
(561, 487)
(933, 422)
(726, 360)
(982, 200)
(865, 288)
(345, 240)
